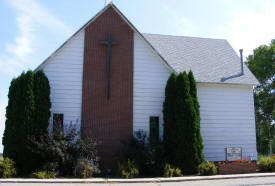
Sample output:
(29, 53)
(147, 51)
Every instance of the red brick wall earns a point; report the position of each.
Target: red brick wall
(237, 168)
(110, 121)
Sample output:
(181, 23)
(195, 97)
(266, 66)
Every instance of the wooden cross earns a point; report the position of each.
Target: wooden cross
(109, 44)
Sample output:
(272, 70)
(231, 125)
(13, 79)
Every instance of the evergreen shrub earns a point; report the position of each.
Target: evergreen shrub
(182, 139)
(169, 120)
(27, 116)
(197, 138)
(207, 168)
(7, 169)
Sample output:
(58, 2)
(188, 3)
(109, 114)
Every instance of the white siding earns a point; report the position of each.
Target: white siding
(150, 77)
(64, 71)
(227, 120)
(227, 111)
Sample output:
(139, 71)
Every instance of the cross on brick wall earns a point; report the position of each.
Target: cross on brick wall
(109, 44)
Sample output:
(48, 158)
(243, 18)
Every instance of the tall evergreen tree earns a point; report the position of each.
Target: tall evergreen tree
(42, 103)
(185, 114)
(27, 117)
(10, 134)
(198, 151)
(169, 107)
(19, 121)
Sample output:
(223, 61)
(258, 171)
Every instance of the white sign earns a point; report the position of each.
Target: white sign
(233, 153)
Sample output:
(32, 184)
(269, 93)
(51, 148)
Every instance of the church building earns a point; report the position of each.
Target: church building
(109, 80)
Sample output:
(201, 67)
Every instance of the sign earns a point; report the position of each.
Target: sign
(233, 153)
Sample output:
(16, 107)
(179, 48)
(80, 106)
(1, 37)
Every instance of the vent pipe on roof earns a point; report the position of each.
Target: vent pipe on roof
(241, 59)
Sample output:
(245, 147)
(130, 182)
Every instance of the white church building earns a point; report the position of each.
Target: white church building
(109, 79)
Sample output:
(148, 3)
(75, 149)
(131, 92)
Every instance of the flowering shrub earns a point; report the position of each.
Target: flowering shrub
(234, 162)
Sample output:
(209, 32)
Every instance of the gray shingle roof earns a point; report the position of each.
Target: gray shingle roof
(211, 60)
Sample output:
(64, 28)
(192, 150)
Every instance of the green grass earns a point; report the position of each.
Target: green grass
(1, 157)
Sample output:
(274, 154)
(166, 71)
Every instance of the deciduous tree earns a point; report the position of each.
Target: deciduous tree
(262, 65)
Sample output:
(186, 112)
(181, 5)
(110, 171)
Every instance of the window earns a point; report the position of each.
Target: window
(154, 128)
(58, 123)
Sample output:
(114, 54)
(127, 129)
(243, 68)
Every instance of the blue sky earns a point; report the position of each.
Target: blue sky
(32, 29)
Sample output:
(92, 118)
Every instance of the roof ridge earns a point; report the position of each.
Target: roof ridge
(183, 36)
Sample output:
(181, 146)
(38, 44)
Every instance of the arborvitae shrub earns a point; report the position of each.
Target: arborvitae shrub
(182, 139)
(19, 121)
(42, 102)
(198, 146)
(169, 106)
(185, 114)
(27, 115)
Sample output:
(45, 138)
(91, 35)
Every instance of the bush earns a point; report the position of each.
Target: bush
(85, 168)
(170, 171)
(7, 169)
(43, 175)
(207, 168)
(149, 157)
(266, 164)
(61, 152)
(128, 169)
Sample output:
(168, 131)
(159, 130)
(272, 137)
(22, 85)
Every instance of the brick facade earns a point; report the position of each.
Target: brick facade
(108, 120)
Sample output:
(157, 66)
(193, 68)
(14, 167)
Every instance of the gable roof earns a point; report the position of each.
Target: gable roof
(110, 5)
(211, 60)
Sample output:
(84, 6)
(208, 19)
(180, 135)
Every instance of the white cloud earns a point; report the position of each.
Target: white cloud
(40, 15)
(181, 24)
(250, 27)
(17, 55)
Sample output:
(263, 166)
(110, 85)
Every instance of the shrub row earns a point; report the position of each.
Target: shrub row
(147, 159)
